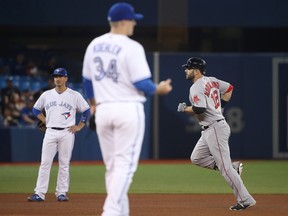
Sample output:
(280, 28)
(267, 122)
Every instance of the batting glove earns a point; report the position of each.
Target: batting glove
(181, 107)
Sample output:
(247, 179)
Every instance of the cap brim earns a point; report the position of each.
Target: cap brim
(58, 75)
(138, 16)
(185, 66)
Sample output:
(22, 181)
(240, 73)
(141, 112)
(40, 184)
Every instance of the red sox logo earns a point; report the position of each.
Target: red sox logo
(196, 99)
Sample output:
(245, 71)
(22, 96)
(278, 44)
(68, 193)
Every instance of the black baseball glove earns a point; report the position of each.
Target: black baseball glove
(91, 123)
(41, 126)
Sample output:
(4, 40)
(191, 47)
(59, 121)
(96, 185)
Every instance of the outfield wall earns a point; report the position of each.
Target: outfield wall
(257, 112)
(25, 144)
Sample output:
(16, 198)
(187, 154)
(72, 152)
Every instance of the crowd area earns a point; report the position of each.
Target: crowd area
(28, 64)
(22, 80)
(16, 104)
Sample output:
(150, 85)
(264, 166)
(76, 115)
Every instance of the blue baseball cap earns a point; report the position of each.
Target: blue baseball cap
(60, 72)
(122, 11)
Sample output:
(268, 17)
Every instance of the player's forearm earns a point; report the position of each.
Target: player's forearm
(42, 118)
(92, 109)
(188, 109)
(92, 102)
(28, 120)
(80, 125)
(227, 96)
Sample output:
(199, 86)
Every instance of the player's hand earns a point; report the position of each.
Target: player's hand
(41, 126)
(164, 87)
(74, 129)
(181, 107)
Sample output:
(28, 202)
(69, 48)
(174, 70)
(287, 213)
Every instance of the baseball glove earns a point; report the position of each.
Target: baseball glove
(91, 122)
(41, 126)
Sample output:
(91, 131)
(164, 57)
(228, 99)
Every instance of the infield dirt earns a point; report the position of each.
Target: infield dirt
(145, 205)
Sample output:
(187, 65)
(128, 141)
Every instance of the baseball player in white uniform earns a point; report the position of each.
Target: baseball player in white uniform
(61, 105)
(208, 96)
(116, 78)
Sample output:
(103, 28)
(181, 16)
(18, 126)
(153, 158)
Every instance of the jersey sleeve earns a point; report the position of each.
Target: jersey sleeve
(224, 86)
(146, 85)
(86, 72)
(197, 98)
(82, 104)
(39, 104)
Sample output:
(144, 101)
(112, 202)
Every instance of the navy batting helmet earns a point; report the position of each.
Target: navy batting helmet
(196, 63)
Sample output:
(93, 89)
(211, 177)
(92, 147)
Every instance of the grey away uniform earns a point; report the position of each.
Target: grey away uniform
(212, 149)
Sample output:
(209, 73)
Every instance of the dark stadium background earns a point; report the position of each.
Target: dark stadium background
(240, 39)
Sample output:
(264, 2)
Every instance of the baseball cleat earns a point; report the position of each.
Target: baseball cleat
(62, 198)
(238, 166)
(35, 198)
(239, 207)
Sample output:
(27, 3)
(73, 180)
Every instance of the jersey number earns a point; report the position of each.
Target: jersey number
(111, 71)
(215, 98)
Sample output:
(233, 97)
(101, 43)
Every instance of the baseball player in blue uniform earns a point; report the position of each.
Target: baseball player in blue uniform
(208, 96)
(116, 78)
(61, 105)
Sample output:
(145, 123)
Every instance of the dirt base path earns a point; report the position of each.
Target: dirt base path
(145, 205)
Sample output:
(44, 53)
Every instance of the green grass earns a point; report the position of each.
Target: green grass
(260, 177)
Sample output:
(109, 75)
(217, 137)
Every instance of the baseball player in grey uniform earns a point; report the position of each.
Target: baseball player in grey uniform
(208, 96)
(116, 78)
(61, 105)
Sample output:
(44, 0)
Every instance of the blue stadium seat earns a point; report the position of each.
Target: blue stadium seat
(35, 86)
(25, 78)
(24, 85)
(16, 81)
(2, 82)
